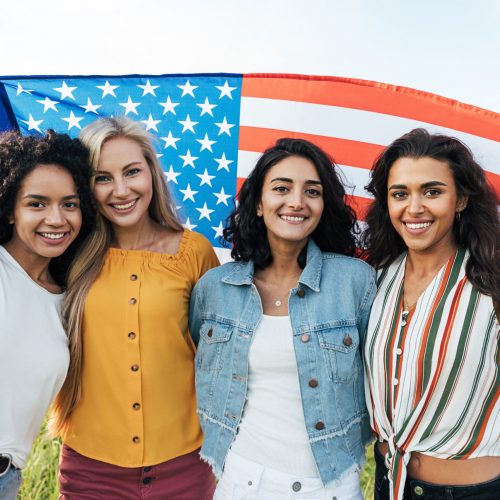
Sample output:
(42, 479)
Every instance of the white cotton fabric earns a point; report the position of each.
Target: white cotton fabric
(34, 357)
(273, 429)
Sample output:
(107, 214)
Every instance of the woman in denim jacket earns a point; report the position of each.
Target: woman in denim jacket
(279, 377)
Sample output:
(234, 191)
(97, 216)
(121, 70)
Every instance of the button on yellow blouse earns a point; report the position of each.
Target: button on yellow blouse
(138, 403)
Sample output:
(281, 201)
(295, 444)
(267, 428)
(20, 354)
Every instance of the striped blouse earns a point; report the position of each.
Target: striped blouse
(432, 375)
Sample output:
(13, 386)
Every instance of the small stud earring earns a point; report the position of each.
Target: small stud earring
(457, 216)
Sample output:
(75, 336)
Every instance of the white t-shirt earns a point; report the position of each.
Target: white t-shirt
(34, 357)
(273, 431)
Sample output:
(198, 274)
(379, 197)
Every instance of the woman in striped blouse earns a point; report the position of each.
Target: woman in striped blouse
(431, 350)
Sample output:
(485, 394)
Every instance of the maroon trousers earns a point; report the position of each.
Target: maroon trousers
(183, 478)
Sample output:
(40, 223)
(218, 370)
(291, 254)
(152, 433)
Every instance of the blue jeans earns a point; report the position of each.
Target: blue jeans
(10, 483)
(420, 490)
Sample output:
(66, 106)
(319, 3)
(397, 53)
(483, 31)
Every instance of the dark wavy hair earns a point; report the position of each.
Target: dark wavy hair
(247, 232)
(477, 229)
(19, 155)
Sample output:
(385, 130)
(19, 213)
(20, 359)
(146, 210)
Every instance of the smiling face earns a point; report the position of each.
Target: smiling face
(422, 203)
(47, 216)
(123, 183)
(291, 202)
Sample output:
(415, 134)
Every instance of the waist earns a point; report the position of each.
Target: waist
(449, 472)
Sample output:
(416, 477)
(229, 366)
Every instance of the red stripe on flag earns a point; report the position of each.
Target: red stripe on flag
(343, 151)
(377, 97)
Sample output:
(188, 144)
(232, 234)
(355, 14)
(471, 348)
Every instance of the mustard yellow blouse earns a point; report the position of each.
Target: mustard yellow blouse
(138, 403)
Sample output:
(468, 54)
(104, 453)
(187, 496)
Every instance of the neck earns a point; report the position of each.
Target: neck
(423, 264)
(284, 265)
(36, 266)
(138, 237)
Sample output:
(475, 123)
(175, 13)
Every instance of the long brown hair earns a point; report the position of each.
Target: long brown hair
(88, 264)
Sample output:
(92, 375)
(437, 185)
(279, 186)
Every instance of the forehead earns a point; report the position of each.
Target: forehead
(295, 168)
(417, 171)
(47, 178)
(118, 152)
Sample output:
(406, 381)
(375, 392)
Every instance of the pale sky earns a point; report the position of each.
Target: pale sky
(448, 47)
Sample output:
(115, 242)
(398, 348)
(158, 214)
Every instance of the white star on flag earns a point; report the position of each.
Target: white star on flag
(206, 143)
(107, 89)
(65, 91)
(168, 106)
(187, 124)
(130, 106)
(222, 197)
(91, 108)
(206, 107)
(206, 178)
(187, 88)
(205, 211)
(20, 90)
(33, 124)
(188, 225)
(223, 162)
(151, 123)
(170, 140)
(218, 230)
(188, 159)
(188, 193)
(225, 90)
(148, 89)
(73, 121)
(172, 175)
(48, 104)
(224, 127)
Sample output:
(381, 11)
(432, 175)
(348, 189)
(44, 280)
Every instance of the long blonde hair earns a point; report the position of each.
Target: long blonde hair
(89, 261)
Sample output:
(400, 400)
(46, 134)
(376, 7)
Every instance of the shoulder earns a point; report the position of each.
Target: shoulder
(347, 265)
(197, 242)
(216, 274)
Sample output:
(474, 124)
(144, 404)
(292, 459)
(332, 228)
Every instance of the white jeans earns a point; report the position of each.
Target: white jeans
(246, 480)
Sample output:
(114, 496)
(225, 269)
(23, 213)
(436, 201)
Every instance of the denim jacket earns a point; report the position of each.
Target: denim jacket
(329, 313)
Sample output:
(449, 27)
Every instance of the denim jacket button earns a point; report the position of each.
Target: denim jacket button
(419, 490)
(301, 293)
(296, 486)
(347, 341)
(210, 332)
(305, 337)
(319, 426)
(313, 383)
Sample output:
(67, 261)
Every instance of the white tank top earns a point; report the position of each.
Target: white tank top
(273, 430)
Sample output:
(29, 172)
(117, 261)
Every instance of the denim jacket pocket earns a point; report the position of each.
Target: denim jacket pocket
(212, 349)
(340, 346)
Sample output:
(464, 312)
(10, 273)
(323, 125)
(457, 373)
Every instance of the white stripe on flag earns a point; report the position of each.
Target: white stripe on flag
(352, 124)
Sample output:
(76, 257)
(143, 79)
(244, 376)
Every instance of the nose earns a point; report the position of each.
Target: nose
(296, 199)
(55, 217)
(121, 189)
(415, 205)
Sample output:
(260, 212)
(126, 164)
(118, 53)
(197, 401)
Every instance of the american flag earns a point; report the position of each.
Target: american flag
(211, 128)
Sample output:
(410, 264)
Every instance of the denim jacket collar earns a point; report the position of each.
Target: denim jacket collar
(242, 273)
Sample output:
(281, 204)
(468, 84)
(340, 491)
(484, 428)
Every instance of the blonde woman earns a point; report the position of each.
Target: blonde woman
(127, 412)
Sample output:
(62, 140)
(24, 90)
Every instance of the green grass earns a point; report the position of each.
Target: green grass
(40, 476)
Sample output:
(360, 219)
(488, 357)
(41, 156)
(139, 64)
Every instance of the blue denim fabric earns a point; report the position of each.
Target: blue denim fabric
(420, 490)
(10, 484)
(329, 314)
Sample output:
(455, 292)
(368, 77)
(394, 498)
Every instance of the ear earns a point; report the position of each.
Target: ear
(259, 210)
(462, 203)
(11, 219)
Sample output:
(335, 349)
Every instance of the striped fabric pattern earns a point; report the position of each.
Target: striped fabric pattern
(432, 380)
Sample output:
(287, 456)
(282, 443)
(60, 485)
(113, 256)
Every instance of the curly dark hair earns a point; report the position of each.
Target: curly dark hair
(19, 155)
(478, 228)
(247, 233)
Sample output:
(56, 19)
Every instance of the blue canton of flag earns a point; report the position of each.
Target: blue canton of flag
(195, 119)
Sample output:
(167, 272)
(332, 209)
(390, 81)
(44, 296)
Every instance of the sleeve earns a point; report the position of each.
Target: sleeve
(204, 257)
(195, 309)
(366, 305)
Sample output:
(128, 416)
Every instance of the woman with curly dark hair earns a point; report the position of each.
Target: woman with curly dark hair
(279, 379)
(45, 209)
(431, 350)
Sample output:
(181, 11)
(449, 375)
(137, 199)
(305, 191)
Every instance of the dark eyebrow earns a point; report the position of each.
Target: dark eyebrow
(45, 198)
(286, 179)
(424, 185)
(100, 172)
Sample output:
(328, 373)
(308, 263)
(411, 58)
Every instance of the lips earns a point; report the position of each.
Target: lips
(292, 218)
(53, 238)
(417, 225)
(124, 206)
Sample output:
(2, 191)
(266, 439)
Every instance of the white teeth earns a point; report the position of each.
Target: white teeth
(53, 236)
(419, 225)
(292, 219)
(124, 207)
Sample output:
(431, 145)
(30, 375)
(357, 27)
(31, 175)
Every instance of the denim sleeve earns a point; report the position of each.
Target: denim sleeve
(366, 305)
(195, 309)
